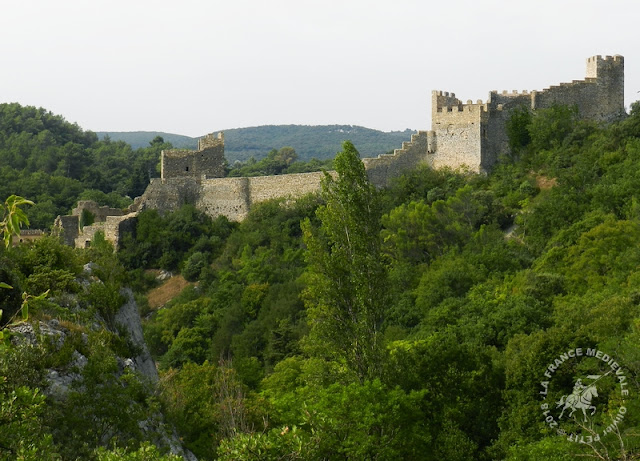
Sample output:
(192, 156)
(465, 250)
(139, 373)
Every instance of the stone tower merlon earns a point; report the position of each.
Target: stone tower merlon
(597, 66)
(609, 75)
(206, 162)
(211, 140)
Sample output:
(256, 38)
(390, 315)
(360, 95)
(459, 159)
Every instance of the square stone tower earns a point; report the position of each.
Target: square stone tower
(206, 162)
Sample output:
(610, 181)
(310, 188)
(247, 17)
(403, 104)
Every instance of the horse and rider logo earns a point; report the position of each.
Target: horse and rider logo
(609, 377)
(580, 398)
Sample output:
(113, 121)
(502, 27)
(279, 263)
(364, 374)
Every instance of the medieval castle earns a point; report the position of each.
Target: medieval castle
(463, 135)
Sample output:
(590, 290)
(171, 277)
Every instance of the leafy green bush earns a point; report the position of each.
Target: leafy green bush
(194, 265)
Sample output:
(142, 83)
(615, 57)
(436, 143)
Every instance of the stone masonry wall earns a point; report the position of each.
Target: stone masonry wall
(68, 228)
(459, 141)
(169, 194)
(263, 188)
(99, 213)
(113, 229)
(225, 196)
(458, 133)
(231, 197)
(383, 168)
(471, 135)
(207, 161)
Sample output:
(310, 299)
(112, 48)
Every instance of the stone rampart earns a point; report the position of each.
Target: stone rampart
(224, 196)
(263, 188)
(383, 168)
(168, 194)
(475, 134)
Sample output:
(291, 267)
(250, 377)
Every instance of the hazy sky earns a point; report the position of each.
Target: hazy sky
(194, 66)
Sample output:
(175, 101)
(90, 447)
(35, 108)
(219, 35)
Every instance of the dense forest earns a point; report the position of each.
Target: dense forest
(320, 142)
(415, 322)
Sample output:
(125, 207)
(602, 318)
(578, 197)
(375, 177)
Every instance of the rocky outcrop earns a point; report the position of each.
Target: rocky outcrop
(62, 380)
(129, 318)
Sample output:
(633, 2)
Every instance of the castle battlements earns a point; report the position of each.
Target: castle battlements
(467, 135)
(463, 135)
(211, 141)
(475, 135)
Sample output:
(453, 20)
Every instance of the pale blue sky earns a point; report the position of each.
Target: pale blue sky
(192, 66)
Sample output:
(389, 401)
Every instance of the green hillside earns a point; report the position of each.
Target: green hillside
(140, 139)
(321, 142)
(450, 316)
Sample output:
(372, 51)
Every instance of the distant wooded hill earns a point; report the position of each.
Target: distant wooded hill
(321, 142)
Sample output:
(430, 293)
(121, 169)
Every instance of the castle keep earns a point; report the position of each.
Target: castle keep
(463, 135)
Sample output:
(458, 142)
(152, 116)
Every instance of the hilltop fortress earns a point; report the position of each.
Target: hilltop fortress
(463, 135)
(474, 135)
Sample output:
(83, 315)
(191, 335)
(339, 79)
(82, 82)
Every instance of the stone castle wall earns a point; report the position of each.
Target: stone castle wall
(475, 134)
(383, 168)
(113, 228)
(110, 221)
(99, 213)
(469, 135)
(207, 161)
(67, 227)
(225, 196)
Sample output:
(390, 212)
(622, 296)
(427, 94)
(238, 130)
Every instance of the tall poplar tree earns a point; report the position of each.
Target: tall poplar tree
(346, 297)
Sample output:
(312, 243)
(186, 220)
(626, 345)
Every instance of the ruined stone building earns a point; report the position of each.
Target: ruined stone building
(463, 135)
(206, 162)
(88, 218)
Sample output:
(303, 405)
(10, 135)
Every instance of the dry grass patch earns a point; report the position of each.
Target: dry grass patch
(545, 183)
(171, 288)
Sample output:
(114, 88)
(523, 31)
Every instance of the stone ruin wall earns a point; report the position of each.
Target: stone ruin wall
(67, 227)
(383, 168)
(112, 228)
(207, 161)
(111, 221)
(233, 197)
(27, 236)
(225, 196)
(470, 135)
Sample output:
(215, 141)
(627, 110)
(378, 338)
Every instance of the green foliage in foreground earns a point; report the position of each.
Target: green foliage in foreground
(481, 281)
(101, 403)
(410, 323)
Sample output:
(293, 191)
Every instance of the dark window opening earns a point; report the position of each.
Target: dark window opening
(186, 169)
